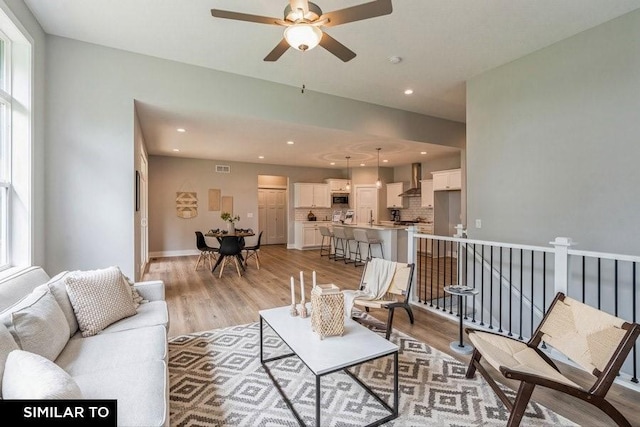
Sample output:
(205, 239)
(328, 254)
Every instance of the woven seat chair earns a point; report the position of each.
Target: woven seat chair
(397, 295)
(597, 341)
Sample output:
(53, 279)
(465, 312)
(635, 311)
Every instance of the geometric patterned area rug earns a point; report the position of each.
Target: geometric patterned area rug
(216, 379)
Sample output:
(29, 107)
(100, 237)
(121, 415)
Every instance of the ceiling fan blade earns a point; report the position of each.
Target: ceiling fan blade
(244, 17)
(358, 13)
(277, 51)
(300, 4)
(337, 48)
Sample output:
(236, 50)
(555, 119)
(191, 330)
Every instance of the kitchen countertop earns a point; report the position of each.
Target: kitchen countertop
(374, 226)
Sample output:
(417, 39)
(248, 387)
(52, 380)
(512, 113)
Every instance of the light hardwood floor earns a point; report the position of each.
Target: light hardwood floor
(200, 301)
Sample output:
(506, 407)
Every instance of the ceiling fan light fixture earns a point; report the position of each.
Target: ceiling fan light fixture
(303, 36)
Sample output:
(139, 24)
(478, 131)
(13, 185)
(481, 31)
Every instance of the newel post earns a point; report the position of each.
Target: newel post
(561, 275)
(411, 257)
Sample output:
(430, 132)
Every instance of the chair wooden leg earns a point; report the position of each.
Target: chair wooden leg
(475, 358)
(237, 266)
(520, 405)
(409, 312)
(389, 323)
(224, 262)
(198, 262)
(257, 259)
(610, 410)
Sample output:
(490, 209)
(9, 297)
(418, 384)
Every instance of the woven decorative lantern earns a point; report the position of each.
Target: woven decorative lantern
(327, 310)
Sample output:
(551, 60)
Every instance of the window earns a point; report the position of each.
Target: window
(5, 149)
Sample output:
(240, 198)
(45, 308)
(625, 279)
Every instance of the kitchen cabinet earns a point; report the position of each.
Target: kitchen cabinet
(447, 180)
(426, 193)
(306, 195)
(308, 234)
(393, 198)
(338, 185)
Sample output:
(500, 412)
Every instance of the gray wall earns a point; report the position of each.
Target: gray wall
(90, 136)
(553, 143)
(171, 235)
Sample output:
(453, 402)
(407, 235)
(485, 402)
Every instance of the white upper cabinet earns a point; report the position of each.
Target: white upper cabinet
(426, 200)
(393, 198)
(337, 185)
(311, 195)
(447, 180)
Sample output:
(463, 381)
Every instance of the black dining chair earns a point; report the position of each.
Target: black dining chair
(253, 251)
(230, 247)
(206, 251)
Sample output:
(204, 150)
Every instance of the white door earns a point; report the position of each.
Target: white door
(272, 215)
(366, 204)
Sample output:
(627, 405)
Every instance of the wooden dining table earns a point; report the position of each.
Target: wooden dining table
(239, 234)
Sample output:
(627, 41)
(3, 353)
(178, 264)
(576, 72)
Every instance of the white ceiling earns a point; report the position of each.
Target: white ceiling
(442, 43)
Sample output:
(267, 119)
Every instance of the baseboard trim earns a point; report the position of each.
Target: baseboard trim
(168, 254)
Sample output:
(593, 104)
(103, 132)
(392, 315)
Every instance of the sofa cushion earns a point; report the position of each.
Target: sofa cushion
(15, 286)
(141, 390)
(99, 298)
(30, 376)
(58, 288)
(149, 314)
(111, 351)
(7, 345)
(40, 327)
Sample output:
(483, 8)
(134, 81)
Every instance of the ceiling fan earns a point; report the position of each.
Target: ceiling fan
(303, 20)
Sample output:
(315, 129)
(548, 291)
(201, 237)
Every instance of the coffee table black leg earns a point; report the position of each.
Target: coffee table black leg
(318, 400)
(261, 353)
(396, 394)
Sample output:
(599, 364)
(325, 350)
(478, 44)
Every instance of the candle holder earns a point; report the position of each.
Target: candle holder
(293, 312)
(302, 309)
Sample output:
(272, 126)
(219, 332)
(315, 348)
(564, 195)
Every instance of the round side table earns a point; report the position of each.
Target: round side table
(461, 292)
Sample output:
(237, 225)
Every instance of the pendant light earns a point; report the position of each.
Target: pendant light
(378, 182)
(348, 174)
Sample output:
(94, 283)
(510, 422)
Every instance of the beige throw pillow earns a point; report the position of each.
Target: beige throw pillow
(29, 376)
(99, 298)
(40, 327)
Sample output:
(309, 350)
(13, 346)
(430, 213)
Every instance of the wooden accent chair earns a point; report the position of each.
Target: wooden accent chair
(206, 251)
(597, 341)
(397, 295)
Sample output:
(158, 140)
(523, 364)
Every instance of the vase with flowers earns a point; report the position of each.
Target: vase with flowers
(231, 221)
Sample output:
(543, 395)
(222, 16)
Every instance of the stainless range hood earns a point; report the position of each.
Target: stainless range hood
(416, 176)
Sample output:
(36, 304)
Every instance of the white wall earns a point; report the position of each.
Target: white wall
(90, 143)
(553, 143)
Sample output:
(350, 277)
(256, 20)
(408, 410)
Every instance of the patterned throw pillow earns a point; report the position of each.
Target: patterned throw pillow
(99, 298)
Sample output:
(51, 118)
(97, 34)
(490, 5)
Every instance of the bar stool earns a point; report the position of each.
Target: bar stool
(343, 237)
(326, 233)
(362, 236)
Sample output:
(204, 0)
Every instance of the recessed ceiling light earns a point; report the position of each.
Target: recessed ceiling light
(261, 157)
(176, 150)
(290, 142)
(408, 91)
(361, 164)
(385, 161)
(395, 59)
(423, 152)
(332, 163)
(181, 130)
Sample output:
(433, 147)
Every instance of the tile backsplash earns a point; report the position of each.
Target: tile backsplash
(321, 214)
(414, 210)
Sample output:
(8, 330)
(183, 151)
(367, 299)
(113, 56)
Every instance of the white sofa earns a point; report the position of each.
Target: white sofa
(127, 361)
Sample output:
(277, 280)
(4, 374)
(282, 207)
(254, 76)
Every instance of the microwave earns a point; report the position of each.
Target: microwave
(340, 199)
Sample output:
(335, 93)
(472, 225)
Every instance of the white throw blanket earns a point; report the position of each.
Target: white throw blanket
(377, 278)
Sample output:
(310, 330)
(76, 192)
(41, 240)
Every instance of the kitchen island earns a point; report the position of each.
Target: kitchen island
(394, 240)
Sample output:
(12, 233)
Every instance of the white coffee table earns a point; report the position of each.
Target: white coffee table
(331, 354)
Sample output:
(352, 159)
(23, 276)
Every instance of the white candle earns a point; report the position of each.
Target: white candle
(293, 292)
(313, 278)
(301, 286)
